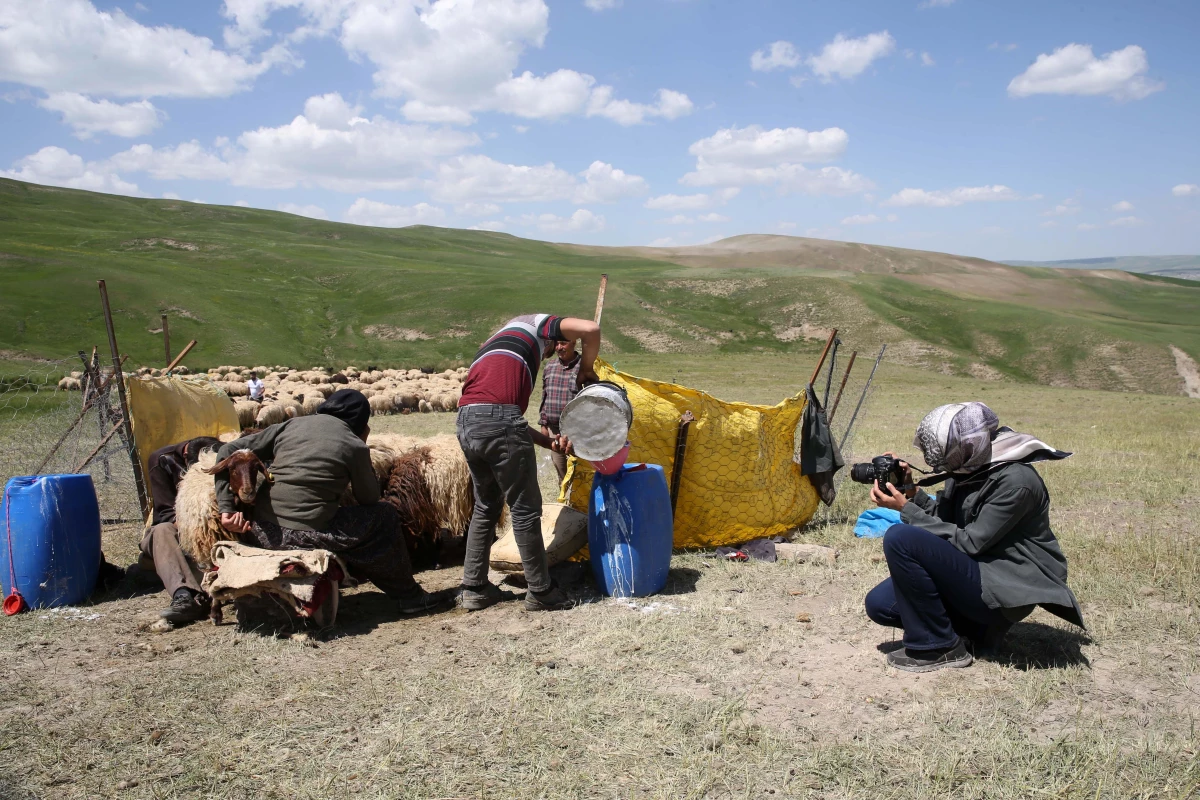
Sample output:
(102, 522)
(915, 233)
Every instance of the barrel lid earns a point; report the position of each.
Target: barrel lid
(597, 421)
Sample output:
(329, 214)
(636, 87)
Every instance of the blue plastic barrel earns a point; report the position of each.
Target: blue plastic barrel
(630, 530)
(51, 525)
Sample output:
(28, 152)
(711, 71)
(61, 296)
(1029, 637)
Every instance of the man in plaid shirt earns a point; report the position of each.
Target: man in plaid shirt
(558, 387)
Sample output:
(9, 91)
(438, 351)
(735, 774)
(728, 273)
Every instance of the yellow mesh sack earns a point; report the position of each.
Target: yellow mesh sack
(739, 481)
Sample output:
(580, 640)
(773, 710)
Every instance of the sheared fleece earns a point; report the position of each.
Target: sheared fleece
(312, 459)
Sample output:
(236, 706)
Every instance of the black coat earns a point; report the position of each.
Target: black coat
(1002, 520)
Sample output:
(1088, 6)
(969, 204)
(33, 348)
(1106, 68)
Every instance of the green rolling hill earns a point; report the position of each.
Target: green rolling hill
(1170, 266)
(267, 287)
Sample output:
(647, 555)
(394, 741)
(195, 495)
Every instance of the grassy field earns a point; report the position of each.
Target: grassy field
(261, 287)
(718, 691)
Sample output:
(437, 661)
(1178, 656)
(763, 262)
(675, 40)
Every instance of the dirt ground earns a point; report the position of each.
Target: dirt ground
(739, 680)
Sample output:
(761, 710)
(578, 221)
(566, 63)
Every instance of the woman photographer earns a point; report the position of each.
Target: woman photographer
(979, 557)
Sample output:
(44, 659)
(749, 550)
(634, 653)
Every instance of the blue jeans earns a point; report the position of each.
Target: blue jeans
(934, 594)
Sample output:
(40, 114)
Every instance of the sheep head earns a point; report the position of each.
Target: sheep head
(244, 467)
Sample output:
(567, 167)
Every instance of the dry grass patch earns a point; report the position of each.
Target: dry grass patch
(716, 688)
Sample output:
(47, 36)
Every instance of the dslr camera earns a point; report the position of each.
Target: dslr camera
(884, 469)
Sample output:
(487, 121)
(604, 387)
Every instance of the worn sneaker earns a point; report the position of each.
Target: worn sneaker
(418, 601)
(930, 660)
(477, 598)
(553, 599)
(186, 606)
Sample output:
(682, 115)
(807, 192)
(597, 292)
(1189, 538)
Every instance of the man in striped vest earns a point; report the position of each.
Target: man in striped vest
(498, 444)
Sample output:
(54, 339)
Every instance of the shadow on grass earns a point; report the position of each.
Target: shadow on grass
(1034, 645)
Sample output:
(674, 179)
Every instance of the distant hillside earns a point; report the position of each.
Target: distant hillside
(266, 287)
(1186, 267)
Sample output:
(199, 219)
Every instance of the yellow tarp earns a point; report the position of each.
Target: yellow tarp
(739, 481)
(170, 410)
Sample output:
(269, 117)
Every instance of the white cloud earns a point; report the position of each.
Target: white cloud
(944, 198)
(342, 152)
(70, 46)
(692, 202)
(935, 3)
(479, 178)
(678, 219)
(240, 203)
(1050, 223)
(1008, 48)
(1073, 69)
(603, 183)
(753, 156)
(1185, 190)
(892, 218)
(927, 60)
(1086, 226)
(713, 217)
(54, 166)
(316, 212)
(754, 147)
(860, 219)
(777, 55)
(477, 209)
(555, 95)
(1124, 222)
(383, 215)
(449, 59)
(88, 117)
(1068, 206)
(1124, 205)
(602, 5)
(489, 225)
(670, 105)
(582, 221)
(787, 226)
(847, 58)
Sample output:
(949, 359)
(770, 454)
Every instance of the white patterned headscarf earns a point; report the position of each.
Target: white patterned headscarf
(957, 437)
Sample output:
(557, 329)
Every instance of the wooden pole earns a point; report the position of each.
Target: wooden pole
(138, 479)
(829, 373)
(99, 447)
(166, 341)
(600, 297)
(825, 352)
(179, 357)
(681, 438)
(838, 399)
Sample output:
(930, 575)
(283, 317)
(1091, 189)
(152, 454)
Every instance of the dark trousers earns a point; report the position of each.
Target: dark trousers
(934, 592)
(368, 539)
(495, 440)
(174, 568)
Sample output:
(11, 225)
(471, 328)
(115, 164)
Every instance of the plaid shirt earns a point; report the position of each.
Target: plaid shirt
(558, 387)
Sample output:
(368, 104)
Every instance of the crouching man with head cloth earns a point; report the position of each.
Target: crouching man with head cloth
(312, 460)
(178, 573)
(979, 557)
(498, 444)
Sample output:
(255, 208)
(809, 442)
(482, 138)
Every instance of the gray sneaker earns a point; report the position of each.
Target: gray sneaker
(930, 660)
(477, 598)
(553, 599)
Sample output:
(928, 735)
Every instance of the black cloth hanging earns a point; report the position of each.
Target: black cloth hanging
(820, 457)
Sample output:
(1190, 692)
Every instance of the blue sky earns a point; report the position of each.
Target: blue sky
(1004, 130)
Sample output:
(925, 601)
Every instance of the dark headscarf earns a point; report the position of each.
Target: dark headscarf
(351, 407)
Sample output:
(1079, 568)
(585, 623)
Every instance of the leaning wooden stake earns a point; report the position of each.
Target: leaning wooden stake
(600, 297)
(166, 341)
(829, 373)
(179, 358)
(138, 478)
(825, 352)
(838, 399)
(681, 438)
(99, 447)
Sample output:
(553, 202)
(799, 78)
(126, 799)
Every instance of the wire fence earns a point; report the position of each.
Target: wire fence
(64, 416)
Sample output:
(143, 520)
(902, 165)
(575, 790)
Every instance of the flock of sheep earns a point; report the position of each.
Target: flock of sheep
(293, 393)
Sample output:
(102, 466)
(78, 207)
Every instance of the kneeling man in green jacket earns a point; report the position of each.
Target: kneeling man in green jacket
(980, 556)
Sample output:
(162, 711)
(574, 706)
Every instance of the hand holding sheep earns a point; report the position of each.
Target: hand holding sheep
(235, 523)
